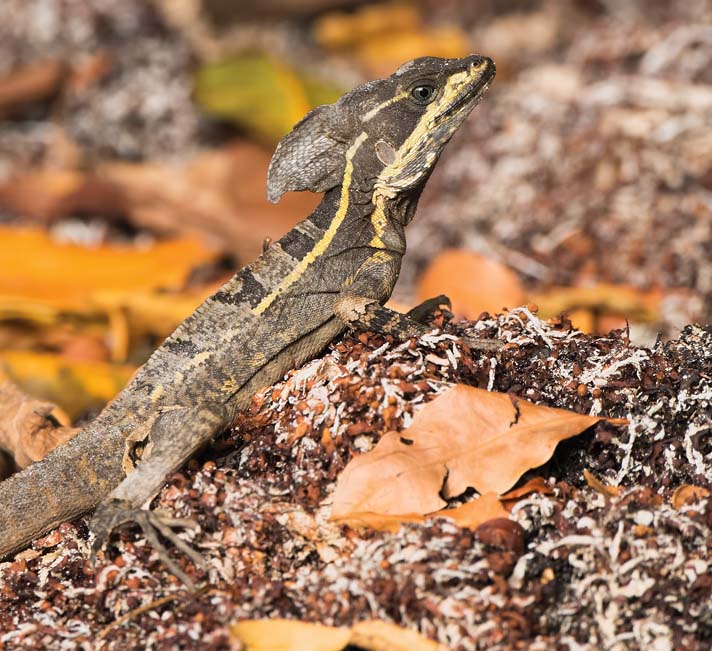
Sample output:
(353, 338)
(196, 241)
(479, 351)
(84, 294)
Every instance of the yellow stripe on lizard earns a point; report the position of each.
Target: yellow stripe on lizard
(324, 242)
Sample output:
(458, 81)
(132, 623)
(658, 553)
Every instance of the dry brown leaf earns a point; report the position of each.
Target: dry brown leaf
(219, 194)
(380, 522)
(465, 437)
(599, 486)
(36, 81)
(30, 428)
(534, 485)
(688, 494)
(472, 514)
(292, 635)
(474, 283)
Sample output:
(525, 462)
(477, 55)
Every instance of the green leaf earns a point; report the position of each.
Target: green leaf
(260, 94)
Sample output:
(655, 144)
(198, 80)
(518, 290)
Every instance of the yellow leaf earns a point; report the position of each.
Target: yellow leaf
(474, 283)
(292, 635)
(288, 635)
(77, 386)
(339, 29)
(260, 93)
(635, 304)
(376, 635)
(65, 275)
(465, 437)
(381, 54)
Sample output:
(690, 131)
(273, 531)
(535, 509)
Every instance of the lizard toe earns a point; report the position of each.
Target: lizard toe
(423, 311)
(154, 525)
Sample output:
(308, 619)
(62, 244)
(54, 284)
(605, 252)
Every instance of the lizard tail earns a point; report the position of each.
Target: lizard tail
(70, 481)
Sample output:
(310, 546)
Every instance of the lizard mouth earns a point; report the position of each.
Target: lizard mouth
(472, 93)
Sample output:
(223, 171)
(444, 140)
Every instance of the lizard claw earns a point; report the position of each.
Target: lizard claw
(115, 513)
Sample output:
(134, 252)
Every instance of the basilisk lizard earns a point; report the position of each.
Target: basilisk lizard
(371, 153)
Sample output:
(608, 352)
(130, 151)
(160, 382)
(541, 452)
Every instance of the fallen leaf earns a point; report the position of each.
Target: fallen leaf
(474, 283)
(217, 194)
(35, 82)
(599, 486)
(379, 521)
(260, 93)
(602, 299)
(30, 428)
(688, 494)
(77, 386)
(472, 514)
(292, 635)
(65, 275)
(534, 485)
(287, 635)
(376, 635)
(339, 29)
(465, 437)
(381, 54)
(383, 36)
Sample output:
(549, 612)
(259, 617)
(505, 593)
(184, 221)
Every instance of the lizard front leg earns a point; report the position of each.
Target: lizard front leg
(359, 306)
(172, 438)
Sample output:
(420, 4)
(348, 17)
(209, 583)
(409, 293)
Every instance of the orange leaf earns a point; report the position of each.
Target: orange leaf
(66, 275)
(599, 486)
(472, 514)
(534, 485)
(35, 82)
(474, 283)
(688, 494)
(466, 437)
(293, 635)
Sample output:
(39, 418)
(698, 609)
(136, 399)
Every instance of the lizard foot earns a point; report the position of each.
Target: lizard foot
(423, 311)
(115, 513)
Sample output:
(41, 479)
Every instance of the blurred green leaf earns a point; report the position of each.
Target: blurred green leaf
(260, 94)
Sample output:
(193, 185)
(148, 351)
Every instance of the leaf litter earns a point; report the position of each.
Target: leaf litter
(571, 567)
(567, 565)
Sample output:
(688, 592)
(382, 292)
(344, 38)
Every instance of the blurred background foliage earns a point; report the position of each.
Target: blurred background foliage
(135, 137)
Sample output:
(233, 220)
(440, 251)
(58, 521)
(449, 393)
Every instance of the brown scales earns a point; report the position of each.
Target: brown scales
(371, 153)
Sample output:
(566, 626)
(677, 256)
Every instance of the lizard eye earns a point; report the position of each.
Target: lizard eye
(423, 93)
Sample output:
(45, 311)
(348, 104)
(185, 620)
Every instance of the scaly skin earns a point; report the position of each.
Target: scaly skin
(371, 153)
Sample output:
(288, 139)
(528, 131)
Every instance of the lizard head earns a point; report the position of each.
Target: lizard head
(392, 130)
(431, 100)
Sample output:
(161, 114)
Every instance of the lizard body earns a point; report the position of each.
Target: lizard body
(371, 153)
